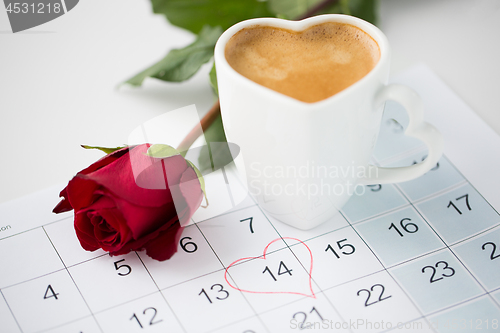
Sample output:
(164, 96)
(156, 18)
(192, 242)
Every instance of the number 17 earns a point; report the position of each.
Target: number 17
(451, 204)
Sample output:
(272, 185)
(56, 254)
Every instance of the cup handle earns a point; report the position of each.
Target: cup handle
(417, 128)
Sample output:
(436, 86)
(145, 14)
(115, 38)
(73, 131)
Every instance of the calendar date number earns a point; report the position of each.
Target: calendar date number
(343, 248)
(217, 290)
(148, 313)
(299, 319)
(282, 269)
(187, 245)
(465, 203)
(123, 269)
(406, 227)
(376, 289)
(50, 293)
(494, 255)
(445, 271)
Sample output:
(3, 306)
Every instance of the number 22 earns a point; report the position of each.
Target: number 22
(380, 297)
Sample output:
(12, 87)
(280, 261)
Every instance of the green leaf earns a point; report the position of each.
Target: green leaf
(344, 5)
(291, 9)
(194, 14)
(201, 179)
(213, 80)
(217, 152)
(180, 64)
(162, 151)
(364, 9)
(103, 149)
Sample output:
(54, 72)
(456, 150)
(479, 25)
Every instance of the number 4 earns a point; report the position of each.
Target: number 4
(52, 293)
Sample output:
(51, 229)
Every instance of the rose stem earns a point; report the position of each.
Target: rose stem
(214, 111)
(205, 123)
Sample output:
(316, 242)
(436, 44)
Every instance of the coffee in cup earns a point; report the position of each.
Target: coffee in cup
(309, 65)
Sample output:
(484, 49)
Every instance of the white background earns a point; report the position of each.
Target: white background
(58, 81)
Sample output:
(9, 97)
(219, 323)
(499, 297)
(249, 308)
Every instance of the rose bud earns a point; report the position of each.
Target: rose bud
(129, 201)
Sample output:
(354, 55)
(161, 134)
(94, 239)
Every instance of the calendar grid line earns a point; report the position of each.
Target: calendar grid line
(193, 278)
(231, 324)
(36, 227)
(379, 215)
(409, 204)
(225, 269)
(465, 240)
(449, 247)
(402, 263)
(453, 252)
(163, 296)
(472, 185)
(258, 257)
(32, 279)
(320, 235)
(64, 324)
(11, 312)
(455, 305)
(438, 193)
(300, 262)
(497, 302)
(225, 213)
(88, 260)
(126, 302)
(72, 279)
(400, 156)
(210, 245)
(409, 297)
(386, 270)
(355, 279)
(256, 314)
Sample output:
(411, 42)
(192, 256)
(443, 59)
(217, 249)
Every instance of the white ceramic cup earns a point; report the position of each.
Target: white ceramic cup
(302, 161)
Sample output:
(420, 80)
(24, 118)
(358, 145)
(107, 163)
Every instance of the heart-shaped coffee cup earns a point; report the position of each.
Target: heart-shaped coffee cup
(302, 161)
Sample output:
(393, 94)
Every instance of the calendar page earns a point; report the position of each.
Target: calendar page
(419, 256)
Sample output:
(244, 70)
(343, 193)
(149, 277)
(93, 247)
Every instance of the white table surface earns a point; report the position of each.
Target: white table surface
(58, 80)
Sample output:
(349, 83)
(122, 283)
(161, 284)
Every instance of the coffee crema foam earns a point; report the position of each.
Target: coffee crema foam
(309, 65)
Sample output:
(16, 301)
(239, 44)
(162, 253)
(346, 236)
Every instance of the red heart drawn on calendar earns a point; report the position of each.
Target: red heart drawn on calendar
(250, 279)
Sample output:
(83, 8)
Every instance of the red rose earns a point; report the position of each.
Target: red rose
(128, 201)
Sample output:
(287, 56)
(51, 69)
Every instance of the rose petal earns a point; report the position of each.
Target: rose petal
(85, 232)
(148, 170)
(81, 192)
(137, 245)
(103, 161)
(165, 245)
(144, 220)
(123, 235)
(187, 195)
(64, 205)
